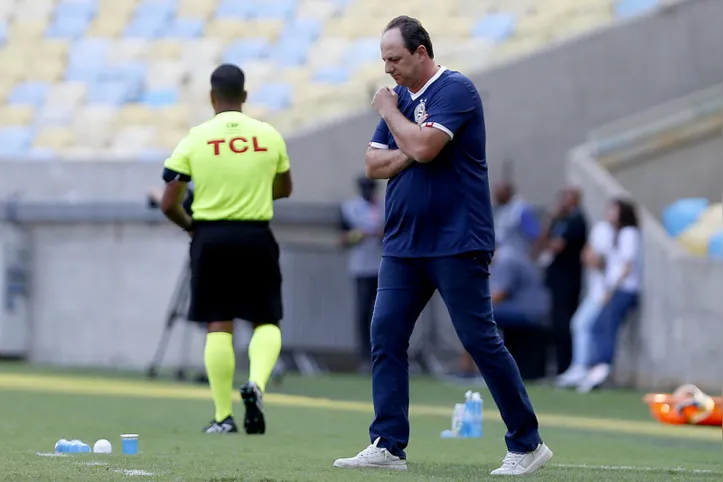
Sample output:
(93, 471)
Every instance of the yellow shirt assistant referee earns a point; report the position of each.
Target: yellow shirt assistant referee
(238, 166)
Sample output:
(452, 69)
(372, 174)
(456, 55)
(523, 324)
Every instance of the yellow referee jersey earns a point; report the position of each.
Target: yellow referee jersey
(232, 160)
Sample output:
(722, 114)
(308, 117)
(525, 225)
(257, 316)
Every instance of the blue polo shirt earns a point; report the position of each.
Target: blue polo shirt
(441, 208)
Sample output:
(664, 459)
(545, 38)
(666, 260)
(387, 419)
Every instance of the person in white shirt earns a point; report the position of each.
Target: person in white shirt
(593, 258)
(622, 288)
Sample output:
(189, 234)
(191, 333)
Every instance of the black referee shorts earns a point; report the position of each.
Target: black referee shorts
(235, 272)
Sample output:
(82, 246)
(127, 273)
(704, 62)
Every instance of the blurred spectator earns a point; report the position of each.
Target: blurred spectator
(362, 229)
(515, 223)
(593, 258)
(519, 296)
(622, 285)
(560, 247)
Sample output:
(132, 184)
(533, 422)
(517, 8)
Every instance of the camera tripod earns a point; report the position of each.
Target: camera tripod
(177, 310)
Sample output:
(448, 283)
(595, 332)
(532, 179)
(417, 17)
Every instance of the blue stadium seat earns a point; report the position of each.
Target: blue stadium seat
(115, 92)
(307, 29)
(146, 26)
(715, 246)
(160, 97)
(495, 27)
(15, 140)
(76, 9)
(183, 28)
(266, 9)
(332, 75)
(68, 27)
(274, 9)
(363, 50)
(682, 213)
(156, 8)
(290, 52)
(80, 71)
(29, 93)
(233, 9)
(89, 50)
(630, 8)
(273, 96)
(243, 50)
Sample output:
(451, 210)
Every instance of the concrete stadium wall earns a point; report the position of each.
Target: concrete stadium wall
(691, 170)
(674, 339)
(537, 108)
(101, 283)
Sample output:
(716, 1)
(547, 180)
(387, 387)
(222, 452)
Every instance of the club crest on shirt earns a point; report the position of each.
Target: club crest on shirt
(419, 111)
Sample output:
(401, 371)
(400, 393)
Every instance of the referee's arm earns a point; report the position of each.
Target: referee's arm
(177, 174)
(283, 185)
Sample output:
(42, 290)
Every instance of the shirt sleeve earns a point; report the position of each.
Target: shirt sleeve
(180, 160)
(284, 164)
(380, 139)
(628, 244)
(179, 164)
(451, 107)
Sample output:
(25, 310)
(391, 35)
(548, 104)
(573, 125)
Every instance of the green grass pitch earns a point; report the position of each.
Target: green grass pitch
(311, 421)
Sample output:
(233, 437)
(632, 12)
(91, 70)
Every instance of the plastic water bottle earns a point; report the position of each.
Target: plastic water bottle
(74, 446)
(476, 425)
(84, 448)
(466, 425)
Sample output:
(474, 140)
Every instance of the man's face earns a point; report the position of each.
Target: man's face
(403, 66)
(502, 193)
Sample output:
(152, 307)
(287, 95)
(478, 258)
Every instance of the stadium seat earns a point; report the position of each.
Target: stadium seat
(274, 96)
(682, 213)
(160, 97)
(16, 115)
(244, 50)
(67, 27)
(114, 92)
(54, 115)
(332, 75)
(14, 139)
(495, 27)
(631, 8)
(715, 245)
(66, 93)
(55, 138)
(76, 8)
(696, 237)
(183, 28)
(29, 93)
(128, 50)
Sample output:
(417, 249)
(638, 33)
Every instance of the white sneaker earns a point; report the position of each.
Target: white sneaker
(521, 464)
(595, 377)
(572, 377)
(373, 457)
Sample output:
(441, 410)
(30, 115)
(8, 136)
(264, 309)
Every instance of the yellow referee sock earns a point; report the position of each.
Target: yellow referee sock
(264, 350)
(220, 362)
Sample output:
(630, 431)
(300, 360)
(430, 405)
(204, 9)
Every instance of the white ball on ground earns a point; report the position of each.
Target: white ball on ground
(102, 446)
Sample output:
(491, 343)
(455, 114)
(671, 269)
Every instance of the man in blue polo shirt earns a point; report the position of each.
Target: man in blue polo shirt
(439, 235)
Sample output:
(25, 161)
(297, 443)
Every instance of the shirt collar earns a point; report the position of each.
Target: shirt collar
(439, 73)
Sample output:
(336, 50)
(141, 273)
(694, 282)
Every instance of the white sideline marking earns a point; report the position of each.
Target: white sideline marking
(630, 468)
(49, 454)
(93, 464)
(132, 472)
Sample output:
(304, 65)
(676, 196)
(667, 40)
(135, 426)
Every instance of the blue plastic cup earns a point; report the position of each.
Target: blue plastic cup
(129, 443)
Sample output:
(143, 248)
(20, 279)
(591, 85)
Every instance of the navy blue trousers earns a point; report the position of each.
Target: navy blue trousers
(405, 287)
